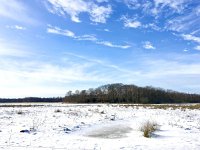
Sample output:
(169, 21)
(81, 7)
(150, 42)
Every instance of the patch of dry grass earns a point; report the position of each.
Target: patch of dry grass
(148, 128)
(164, 106)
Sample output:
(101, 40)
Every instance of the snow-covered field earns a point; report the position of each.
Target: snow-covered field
(96, 126)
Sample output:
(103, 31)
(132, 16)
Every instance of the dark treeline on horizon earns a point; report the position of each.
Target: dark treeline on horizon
(116, 93)
(30, 99)
(120, 93)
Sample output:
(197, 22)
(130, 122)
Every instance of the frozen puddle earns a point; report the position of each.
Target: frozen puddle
(110, 131)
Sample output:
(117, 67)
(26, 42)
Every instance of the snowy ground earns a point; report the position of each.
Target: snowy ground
(96, 126)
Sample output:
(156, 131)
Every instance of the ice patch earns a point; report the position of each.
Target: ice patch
(110, 131)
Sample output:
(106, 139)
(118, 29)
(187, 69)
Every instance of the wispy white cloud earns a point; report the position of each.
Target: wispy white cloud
(101, 1)
(179, 15)
(175, 5)
(148, 45)
(197, 47)
(155, 70)
(152, 26)
(73, 8)
(109, 44)
(107, 30)
(42, 75)
(158, 7)
(195, 31)
(132, 4)
(98, 13)
(17, 27)
(33, 77)
(131, 22)
(86, 37)
(8, 49)
(175, 70)
(123, 72)
(16, 10)
(100, 62)
(68, 33)
(56, 30)
(190, 37)
(188, 21)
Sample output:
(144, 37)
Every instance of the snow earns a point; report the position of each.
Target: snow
(95, 127)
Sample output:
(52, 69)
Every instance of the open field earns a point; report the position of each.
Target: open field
(55, 126)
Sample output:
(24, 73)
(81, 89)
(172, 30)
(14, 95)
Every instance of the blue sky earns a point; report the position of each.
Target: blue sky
(48, 47)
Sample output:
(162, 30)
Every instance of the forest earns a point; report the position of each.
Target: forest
(121, 93)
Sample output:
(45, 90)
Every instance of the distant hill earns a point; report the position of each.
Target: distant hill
(121, 93)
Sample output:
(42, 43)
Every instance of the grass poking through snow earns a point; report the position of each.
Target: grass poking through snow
(148, 128)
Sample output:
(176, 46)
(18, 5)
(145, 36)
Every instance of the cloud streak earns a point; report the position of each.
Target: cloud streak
(190, 37)
(56, 30)
(86, 37)
(17, 27)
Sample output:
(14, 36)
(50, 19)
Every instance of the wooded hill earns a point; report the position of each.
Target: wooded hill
(120, 93)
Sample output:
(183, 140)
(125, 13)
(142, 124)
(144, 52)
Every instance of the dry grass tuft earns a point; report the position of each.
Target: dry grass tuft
(148, 128)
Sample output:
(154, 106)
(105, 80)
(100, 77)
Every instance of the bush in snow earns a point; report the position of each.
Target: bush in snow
(148, 128)
(57, 111)
(20, 112)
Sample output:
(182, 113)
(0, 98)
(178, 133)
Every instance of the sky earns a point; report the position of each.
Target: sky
(48, 47)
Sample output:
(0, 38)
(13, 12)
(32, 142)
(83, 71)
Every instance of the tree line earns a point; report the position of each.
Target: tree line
(30, 99)
(116, 93)
(121, 93)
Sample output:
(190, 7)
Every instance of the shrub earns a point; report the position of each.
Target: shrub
(57, 111)
(148, 128)
(20, 112)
